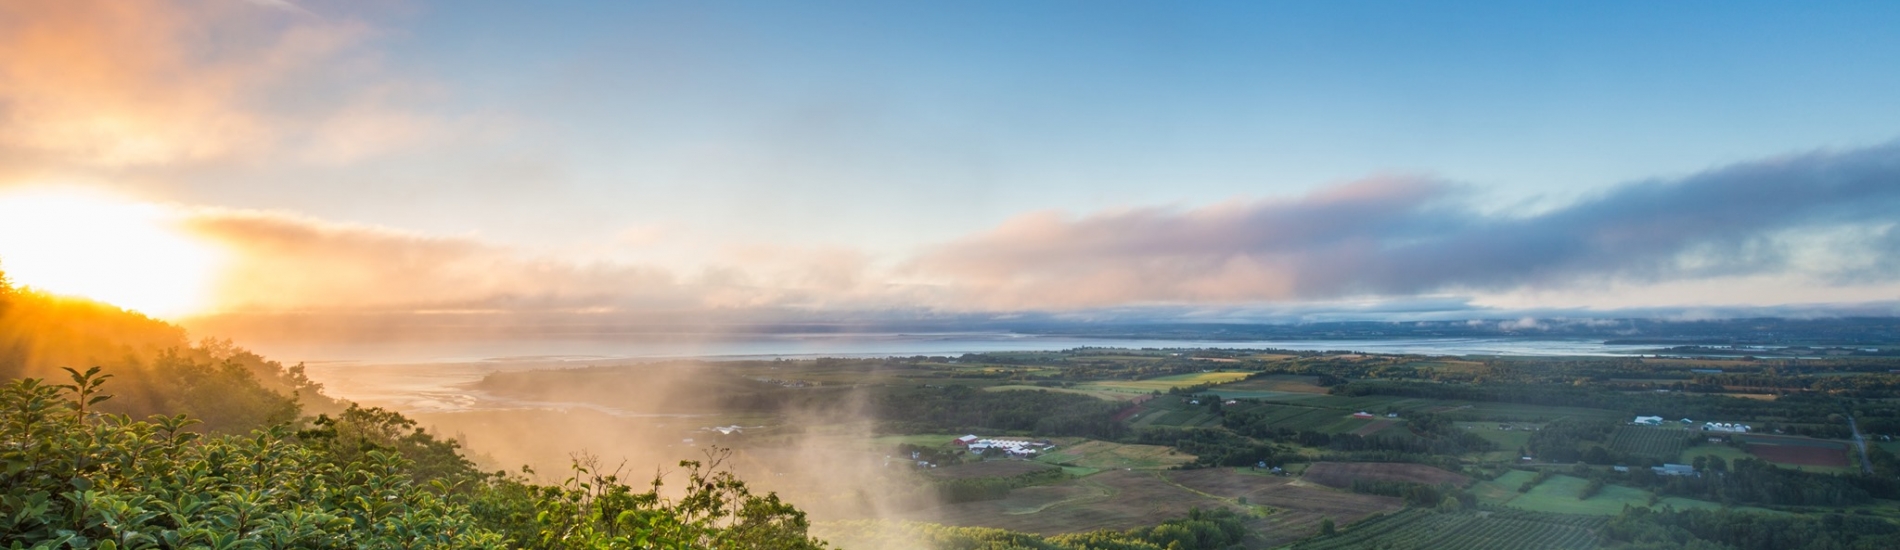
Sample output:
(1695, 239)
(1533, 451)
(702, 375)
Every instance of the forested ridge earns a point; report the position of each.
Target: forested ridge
(161, 443)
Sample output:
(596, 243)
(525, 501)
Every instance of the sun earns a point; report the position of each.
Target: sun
(130, 254)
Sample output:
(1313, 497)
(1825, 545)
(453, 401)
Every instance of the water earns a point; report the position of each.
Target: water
(433, 376)
(875, 345)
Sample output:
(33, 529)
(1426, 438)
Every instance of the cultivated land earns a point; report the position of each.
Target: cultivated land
(1659, 443)
(1104, 455)
(1144, 436)
(1165, 383)
(1470, 530)
(1799, 451)
(988, 468)
(1281, 511)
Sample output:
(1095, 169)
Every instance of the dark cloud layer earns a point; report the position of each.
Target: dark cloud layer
(1402, 237)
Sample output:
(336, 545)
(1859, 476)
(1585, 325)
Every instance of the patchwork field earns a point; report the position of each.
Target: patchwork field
(1296, 510)
(1342, 474)
(1283, 511)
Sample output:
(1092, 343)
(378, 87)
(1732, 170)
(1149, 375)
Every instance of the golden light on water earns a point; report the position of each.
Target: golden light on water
(130, 254)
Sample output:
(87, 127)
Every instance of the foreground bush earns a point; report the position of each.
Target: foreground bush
(71, 477)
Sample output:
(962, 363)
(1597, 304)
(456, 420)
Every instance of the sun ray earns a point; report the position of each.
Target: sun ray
(130, 254)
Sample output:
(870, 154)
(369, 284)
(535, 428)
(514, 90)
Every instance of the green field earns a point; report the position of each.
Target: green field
(1658, 443)
(1165, 383)
(1559, 495)
(1109, 395)
(1103, 455)
(1502, 489)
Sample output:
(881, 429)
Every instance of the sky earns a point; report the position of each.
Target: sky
(831, 160)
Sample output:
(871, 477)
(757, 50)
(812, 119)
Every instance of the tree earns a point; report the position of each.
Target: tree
(1326, 527)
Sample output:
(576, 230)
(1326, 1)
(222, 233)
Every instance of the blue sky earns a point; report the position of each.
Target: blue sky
(976, 112)
(821, 154)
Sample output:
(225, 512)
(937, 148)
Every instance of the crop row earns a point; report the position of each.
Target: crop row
(1656, 443)
(1465, 531)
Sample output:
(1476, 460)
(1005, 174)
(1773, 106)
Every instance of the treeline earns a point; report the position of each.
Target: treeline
(1565, 441)
(1201, 530)
(963, 408)
(1815, 415)
(1417, 494)
(1215, 446)
(1757, 482)
(1424, 433)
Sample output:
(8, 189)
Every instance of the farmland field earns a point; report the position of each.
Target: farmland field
(1296, 510)
(1658, 443)
(1164, 383)
(1508, 441)
(1342, 474)
(1109, 395)
(987, 468)
(1725, 452)
(1466, 531)
(1103, 455)
(1127, 499)
(1807, 453)
(1282, 383)
(1374, 427)
(1311, 418)
(1559, 495)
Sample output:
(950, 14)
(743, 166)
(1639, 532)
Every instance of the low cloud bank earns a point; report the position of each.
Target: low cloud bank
(1406, 237)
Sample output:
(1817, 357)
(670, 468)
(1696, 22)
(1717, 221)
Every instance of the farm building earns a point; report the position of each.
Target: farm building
(1647, 421)
(1674, 470)
(1362, 414)
(965, 441)
(1015, 448)
(1725, 427)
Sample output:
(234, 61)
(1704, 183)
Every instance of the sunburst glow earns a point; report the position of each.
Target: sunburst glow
(129, 254)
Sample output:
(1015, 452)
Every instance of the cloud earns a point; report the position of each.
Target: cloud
(282, 262)
(1399, 236)
(104, 83)
(285, 262)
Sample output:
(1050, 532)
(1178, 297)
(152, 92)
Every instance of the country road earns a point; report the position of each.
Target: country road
(1866, 465)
